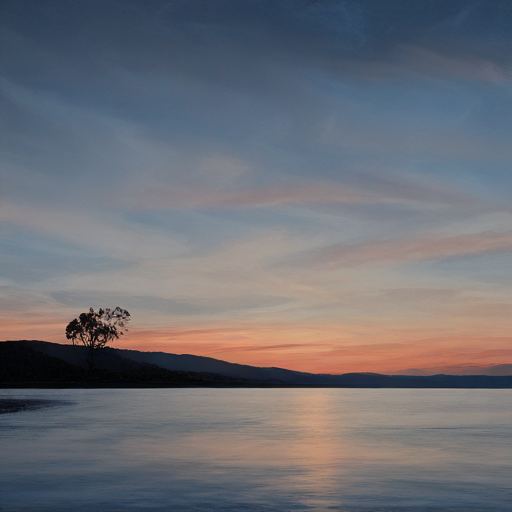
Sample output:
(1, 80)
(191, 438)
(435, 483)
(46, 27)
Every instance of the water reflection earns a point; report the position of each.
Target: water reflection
(255, 449)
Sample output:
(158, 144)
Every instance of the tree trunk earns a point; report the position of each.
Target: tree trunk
(90, 359)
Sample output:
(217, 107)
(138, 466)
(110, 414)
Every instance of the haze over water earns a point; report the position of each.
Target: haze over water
(259, 450)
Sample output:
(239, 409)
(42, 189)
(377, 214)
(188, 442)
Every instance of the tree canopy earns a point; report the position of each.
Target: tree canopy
(95, 329)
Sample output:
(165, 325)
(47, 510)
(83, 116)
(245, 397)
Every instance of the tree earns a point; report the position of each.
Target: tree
(95, 329)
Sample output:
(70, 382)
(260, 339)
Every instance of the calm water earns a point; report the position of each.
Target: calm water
(259, 450)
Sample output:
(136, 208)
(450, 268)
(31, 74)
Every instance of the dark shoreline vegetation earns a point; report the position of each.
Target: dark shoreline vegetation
(38, 364)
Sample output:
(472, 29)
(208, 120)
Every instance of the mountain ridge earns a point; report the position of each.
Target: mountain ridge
(497, 370)
(125, 360)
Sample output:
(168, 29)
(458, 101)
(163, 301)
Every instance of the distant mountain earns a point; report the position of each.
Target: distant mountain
(208, 364)
(163, 367)
(499, 370)
(189, 363)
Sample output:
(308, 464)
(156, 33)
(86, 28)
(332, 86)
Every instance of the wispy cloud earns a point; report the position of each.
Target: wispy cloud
(90, 229)
(469, 67)
(315, 185)
(393, 252)
(300, 193)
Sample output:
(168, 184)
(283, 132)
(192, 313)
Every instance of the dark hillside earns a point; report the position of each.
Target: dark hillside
(21, 364)
(104, 359)
(42, 362)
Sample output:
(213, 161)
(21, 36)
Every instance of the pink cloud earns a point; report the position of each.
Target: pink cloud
(246, 198)
(390, 252)
(314, 192)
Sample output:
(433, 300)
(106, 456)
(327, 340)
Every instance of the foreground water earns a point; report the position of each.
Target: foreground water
(258, 450)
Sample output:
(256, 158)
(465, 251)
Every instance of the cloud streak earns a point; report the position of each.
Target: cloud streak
(177, 198)
(394, 252)
(274, 183)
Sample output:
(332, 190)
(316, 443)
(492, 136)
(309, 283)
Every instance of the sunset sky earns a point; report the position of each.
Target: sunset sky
(322, 185)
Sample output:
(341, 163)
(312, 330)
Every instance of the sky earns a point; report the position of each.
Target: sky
(323, 186)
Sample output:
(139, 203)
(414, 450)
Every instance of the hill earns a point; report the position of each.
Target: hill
(29, 363)
(160, 368)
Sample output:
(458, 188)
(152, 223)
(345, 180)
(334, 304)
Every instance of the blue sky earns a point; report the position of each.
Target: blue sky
(320, 185)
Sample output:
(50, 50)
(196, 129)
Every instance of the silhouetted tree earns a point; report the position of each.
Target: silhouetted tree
(95, 329)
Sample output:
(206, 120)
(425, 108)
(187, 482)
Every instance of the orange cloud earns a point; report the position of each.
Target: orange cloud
(321, 349)
(39, 328)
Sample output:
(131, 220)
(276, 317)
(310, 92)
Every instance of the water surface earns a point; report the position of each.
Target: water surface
(258, 450)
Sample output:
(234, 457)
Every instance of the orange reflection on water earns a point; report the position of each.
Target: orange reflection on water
(292, 436)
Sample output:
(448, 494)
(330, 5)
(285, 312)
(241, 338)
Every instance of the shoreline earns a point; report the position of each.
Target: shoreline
(235, 385)
(10, 405)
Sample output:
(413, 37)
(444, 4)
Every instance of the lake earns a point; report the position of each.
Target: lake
(204, 449)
